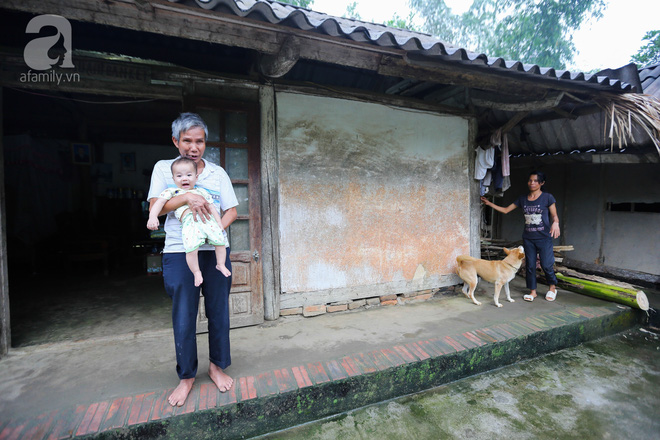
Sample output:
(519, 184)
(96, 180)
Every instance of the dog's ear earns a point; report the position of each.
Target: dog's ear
(521, 255)
(506, 251)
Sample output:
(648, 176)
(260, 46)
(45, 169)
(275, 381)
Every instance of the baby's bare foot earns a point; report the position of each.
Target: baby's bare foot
(223, 270)
(220, 378)
(198, 278)
(180, 393)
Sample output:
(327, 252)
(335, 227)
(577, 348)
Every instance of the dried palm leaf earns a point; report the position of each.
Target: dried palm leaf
(629, 111)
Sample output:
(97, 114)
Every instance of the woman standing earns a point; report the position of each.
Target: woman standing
(539, 208)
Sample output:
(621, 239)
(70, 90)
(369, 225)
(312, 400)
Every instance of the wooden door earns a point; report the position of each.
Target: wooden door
(233, 143)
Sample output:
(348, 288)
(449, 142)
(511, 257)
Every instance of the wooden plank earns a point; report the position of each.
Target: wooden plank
(96, 76)
(615, 272)
(160, 17)
(269, 204)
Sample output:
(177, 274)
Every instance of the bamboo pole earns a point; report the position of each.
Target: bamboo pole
(622, 295)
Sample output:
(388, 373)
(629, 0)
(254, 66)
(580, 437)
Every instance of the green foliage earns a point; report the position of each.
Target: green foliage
(351, 11)
(532, 31)
(402, 23)
(649, 53)
(301, 3)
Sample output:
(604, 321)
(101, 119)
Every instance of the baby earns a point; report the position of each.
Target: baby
(195, 233)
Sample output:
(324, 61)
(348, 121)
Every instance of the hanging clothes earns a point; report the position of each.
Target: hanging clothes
(506, 170)
(483, 162)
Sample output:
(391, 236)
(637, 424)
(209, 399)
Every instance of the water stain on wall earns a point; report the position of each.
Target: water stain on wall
(365, 203)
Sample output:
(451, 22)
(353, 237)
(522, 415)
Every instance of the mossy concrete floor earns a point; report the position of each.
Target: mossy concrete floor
(604, 389)
(286, 372)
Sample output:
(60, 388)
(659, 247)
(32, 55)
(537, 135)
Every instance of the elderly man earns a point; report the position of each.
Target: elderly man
(189, 133)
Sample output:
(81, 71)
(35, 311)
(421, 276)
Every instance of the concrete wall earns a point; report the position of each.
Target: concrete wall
(626, 240)
(373, 199)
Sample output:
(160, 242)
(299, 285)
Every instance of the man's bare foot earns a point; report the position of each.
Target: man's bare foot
(198, 278)
(220, 378)
(223, 270)
(180, 393)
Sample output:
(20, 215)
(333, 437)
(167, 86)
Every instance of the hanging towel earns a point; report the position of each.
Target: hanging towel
(483, 161)
(506, 183)
(506, 171)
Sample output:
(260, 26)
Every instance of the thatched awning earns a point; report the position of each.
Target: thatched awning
(630, 110)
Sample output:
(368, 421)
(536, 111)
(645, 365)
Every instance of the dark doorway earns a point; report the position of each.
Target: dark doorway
(77, 169)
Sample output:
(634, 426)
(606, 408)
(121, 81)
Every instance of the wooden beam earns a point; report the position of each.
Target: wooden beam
(279, 64)
(444, 94)
(360, 95)
(553, 114)
(514, 121)
(524, 106)
(564, 114)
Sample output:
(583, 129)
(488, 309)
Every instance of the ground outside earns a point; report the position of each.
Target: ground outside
(290, 371)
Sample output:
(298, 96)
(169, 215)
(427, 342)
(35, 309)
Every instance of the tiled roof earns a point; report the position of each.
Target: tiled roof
(380, 35)
(650, 77)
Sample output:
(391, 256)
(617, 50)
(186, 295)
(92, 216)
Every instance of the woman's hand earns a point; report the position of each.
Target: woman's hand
(486, 201)
(199, 207)
(554, 230)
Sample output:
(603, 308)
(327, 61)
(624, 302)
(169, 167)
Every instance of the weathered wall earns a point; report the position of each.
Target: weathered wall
(373, 199)
(627, 240)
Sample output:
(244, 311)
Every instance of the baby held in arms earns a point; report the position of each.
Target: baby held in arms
(194, 233)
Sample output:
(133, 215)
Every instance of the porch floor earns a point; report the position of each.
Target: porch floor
(286, 372)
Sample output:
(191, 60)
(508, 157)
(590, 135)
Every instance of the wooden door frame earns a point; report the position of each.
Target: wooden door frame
(5, 327)
(193, 102)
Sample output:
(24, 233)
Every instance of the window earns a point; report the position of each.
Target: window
(634, 207)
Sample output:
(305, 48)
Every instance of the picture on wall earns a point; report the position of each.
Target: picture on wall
(127, 161)
(81, 153)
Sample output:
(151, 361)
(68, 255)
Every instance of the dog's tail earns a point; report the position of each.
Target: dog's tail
(459, 262)
(462, 258)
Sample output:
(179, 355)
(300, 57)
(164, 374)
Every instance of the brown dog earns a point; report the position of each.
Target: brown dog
(496, 272)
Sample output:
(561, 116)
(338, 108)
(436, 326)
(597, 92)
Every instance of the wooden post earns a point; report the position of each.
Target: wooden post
(270, 204)
(475, 202)
(5, 328)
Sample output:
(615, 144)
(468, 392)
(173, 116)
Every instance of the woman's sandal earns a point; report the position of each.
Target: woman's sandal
(528, 297)
(551, 295)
